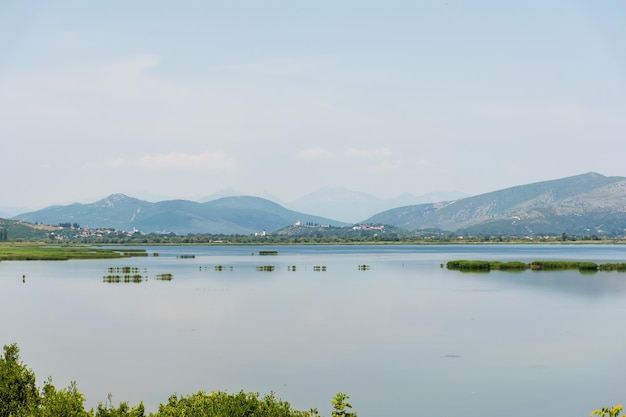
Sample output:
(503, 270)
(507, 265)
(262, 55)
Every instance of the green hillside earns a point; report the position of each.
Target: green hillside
(17, 231)
(229, 215)
(583, 204)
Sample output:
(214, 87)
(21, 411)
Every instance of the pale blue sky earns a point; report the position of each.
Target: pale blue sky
(162, 100)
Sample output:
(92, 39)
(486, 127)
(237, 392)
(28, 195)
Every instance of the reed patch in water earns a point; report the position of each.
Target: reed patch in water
(543, 265)
(267, 268)
(164, 277)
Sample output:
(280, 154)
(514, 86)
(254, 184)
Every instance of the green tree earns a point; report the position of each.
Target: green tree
(20, 397)
(18, 393)
(340, 405)
(608, 411)
(67, 402)
(123, 410)
(220, 403)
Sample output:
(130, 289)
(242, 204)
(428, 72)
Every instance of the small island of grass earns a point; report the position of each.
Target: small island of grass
(484, 266)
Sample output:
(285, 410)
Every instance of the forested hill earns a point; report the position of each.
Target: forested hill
(585, 204)
(229, 215)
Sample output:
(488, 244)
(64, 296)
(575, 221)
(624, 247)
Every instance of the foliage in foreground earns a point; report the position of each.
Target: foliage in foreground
(20, 397)
(608, 411)
(224, 404)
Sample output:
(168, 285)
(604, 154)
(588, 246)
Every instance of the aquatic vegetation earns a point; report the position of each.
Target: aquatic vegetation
(138, 252)
(473, 265)
(59, 253)
(268, 252)
(509, 266)
(164, 277)
(620, 267)
(557, 265)
(220, 268)
(123, 274)
(551, 265)
(268, 268)
(111, 278)
(124, 269)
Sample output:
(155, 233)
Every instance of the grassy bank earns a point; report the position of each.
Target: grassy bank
(11, 252)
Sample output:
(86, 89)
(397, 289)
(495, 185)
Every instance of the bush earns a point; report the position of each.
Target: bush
(20, 397)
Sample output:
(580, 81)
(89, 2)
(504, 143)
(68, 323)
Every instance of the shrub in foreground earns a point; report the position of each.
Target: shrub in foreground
(20, 397)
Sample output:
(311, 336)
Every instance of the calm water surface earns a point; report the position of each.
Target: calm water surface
(405, 337)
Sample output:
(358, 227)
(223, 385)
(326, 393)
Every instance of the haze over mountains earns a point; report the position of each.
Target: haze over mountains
(584, 204)
(343, 204)
(6, 212)
(228, 215)
(351, 206)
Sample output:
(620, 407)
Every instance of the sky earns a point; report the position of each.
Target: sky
(163, 100)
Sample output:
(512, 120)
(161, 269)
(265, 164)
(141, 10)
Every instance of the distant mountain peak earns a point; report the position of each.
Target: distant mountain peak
(224, 192)
(111, 200)
(228, 215)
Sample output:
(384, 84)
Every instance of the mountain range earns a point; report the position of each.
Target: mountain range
(584, 204)
(228, 215)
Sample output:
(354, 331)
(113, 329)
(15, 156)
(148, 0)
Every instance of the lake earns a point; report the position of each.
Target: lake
(401, 337)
